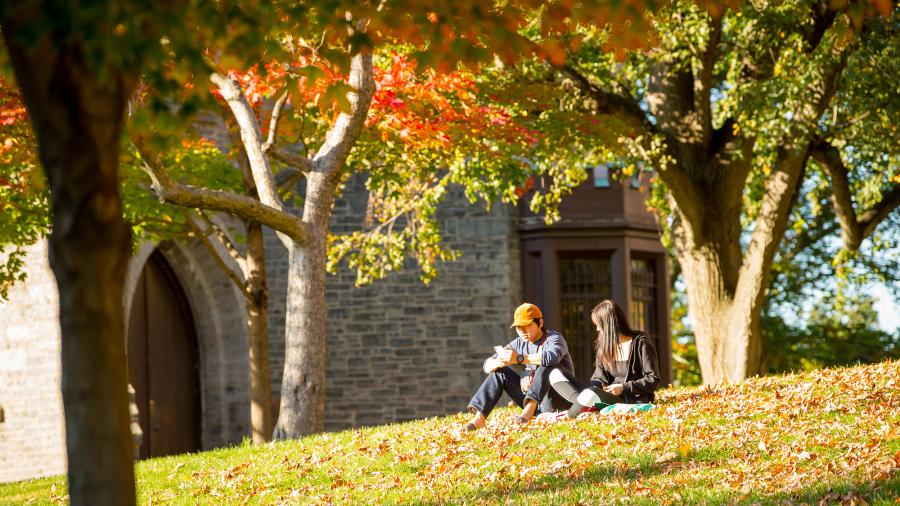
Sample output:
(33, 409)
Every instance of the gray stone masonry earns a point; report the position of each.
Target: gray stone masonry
(32, 434)
(397, 349)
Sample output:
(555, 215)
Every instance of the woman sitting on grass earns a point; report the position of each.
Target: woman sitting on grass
(626, 365)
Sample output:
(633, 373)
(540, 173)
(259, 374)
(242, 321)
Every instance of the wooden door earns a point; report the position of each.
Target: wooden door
(162, 363)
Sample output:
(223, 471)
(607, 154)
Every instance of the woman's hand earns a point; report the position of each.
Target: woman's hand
(615, 389)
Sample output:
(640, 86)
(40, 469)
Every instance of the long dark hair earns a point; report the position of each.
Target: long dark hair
(611, 320)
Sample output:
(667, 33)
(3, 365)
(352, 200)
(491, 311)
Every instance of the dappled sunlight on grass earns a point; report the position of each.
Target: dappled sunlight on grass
(830, 435)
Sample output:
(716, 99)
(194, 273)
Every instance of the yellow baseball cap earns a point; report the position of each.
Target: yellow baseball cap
(525, 314)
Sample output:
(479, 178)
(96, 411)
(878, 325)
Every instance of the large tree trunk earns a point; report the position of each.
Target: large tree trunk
(729, 339)
(726, 286)
(303, 384)
(258, 330)
(78, 122)
(725, 320)
(706, 175)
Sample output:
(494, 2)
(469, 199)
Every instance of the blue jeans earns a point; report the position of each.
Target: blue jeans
(507, 380)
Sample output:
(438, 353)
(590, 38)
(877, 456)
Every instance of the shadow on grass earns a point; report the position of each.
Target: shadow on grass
(837, 492)
(840, 491)
(551, 483)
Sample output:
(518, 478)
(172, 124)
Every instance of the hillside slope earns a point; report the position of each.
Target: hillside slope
(830, 436)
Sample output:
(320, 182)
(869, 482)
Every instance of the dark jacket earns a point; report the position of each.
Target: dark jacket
(641, 379)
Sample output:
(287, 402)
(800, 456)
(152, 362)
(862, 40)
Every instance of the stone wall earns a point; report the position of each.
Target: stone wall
(398, 349)
(32, 433)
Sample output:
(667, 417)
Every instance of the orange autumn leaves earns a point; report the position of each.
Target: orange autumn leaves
(434, 110)
(779, 439)
(16, 143)
(423, 110)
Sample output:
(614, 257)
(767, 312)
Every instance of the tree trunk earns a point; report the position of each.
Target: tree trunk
(727, 327)
(726, 286)
(303, 383)
(78, 121)
(258, 330)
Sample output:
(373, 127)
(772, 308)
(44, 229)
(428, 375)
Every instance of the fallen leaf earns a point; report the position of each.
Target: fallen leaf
(666, 457)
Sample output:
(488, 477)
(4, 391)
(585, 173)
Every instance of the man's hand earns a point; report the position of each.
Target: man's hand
(615, 389)
(493, 364)
(506, 355)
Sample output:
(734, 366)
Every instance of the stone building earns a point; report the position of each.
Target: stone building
(397, 350)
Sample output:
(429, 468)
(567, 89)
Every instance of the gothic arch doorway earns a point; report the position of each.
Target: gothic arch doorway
(163, 363)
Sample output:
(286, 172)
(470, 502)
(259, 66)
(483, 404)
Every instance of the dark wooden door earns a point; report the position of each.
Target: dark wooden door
(583, 281)
(162, 363)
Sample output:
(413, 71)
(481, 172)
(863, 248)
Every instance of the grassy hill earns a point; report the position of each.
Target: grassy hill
(825, 437)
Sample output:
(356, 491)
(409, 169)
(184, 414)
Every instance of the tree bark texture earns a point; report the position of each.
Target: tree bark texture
(303, 383)
(302, 408)
(77, 119)
(726, 326)
(258, 332)
(256, 294)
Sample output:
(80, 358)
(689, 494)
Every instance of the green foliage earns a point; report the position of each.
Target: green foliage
(24, 218)
(839, 330)
(685, 363)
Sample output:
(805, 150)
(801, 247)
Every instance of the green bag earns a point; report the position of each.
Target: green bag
(606, 409)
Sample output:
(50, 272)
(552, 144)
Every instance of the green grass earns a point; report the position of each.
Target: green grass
(830, 435)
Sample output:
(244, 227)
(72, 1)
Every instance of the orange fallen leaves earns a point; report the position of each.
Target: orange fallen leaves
(768, 437)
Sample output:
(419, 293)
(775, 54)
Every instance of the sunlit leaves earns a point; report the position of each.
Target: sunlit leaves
(24, 203)
(425, 131)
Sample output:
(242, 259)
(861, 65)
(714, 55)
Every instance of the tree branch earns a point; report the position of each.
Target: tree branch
(780, 185)
(328, 162)
(823, 18)
(298, 165)
(226, 241)
(273, 120)
(610, 103)
(627, 108)
(243, 160)
(168, 190)
(203, 236)
(703, 82)
(251, 138)
(806, 239)
(854, 227)
(343, 134)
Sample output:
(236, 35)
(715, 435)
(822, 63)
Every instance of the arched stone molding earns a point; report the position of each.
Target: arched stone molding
(218, 310)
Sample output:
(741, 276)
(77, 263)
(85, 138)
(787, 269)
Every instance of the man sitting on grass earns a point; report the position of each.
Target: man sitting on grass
(540, 351)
